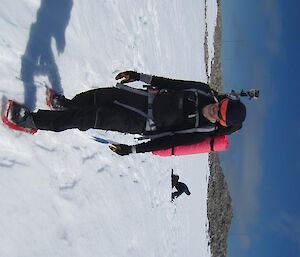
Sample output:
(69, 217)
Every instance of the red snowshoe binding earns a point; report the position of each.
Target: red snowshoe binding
(53, 99)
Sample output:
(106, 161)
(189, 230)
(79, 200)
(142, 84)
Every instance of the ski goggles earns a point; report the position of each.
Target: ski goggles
(222, 112)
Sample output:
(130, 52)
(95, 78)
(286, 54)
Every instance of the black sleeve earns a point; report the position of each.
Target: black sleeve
(171, 141)
(174, 84)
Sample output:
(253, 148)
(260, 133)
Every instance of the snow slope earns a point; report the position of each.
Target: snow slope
(62, 194)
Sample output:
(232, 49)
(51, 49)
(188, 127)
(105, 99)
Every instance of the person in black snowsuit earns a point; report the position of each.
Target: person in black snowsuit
(169, 112)
(180, 187)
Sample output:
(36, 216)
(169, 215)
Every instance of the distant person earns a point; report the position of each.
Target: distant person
(180, 187)
(168, 112)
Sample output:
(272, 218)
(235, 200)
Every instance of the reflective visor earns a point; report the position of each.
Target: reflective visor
(222, 112)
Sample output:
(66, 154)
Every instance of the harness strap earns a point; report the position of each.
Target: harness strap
(184, 131)
(150, 125)
(200, 91)
(197, 118)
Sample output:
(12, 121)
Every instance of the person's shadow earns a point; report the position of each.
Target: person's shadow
(52, 20)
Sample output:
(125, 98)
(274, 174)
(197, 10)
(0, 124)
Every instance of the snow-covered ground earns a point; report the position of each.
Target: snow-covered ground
(62, 194)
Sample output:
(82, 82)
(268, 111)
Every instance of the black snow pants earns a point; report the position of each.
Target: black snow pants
(97, 109)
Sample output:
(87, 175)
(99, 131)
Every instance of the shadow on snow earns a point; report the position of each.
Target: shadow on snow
(52, 20)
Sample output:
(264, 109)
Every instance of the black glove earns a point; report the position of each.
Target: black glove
(128, 76)
(121, 149)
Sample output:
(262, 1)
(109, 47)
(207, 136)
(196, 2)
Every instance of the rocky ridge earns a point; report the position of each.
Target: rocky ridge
(219, 203)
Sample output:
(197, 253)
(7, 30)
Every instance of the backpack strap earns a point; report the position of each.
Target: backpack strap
(185, 131)
(150, 125)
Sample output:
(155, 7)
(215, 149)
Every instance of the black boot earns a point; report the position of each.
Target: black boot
(54, 101)
(20, 116)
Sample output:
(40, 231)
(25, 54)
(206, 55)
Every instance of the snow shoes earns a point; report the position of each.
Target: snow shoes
(54, 100)
(17, 117)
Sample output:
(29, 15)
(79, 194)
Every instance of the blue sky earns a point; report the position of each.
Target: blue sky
(260, 49)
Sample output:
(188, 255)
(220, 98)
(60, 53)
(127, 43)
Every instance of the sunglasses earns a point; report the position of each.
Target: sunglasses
(222, 112)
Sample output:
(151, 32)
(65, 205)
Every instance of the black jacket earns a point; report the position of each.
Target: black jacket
(168, 118)
(181, 187)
